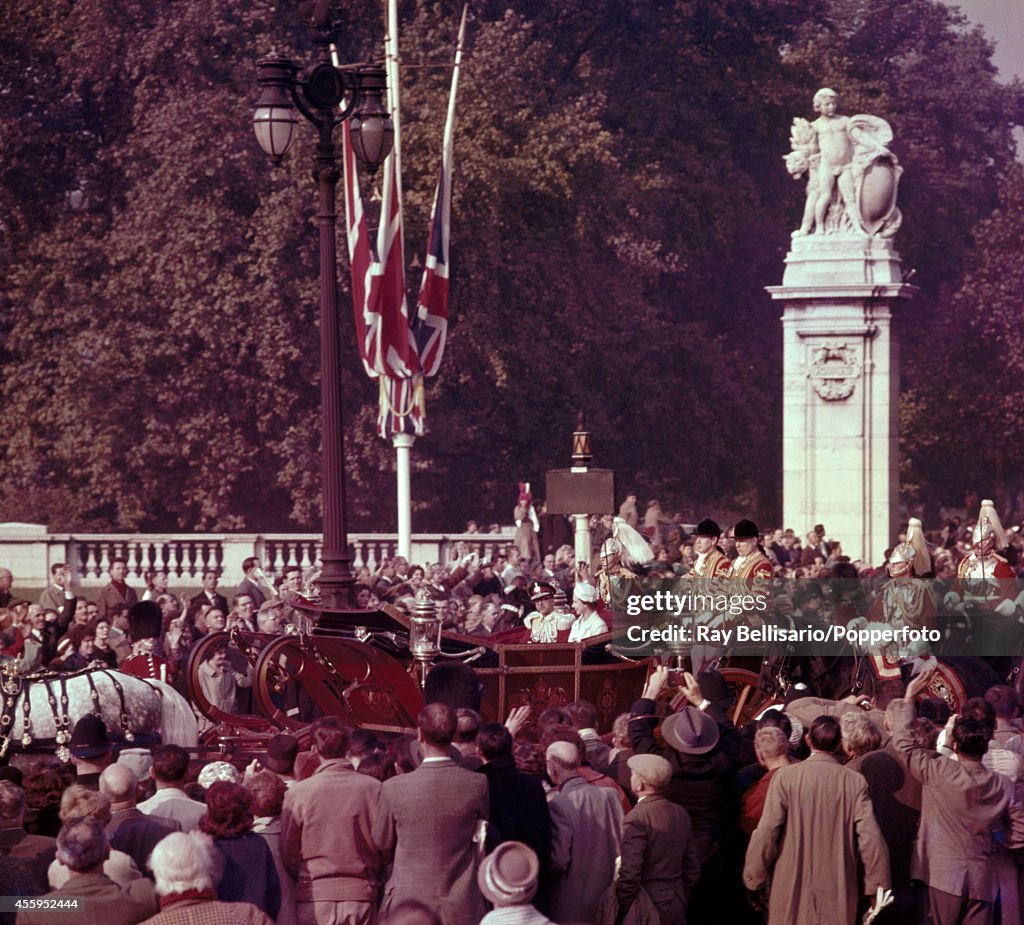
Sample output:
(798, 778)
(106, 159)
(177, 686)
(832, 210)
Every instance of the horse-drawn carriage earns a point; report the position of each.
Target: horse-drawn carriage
(362, 666)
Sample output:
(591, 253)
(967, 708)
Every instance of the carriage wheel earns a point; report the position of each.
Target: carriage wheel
(750, 700)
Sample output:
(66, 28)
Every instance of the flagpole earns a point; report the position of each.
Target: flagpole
(402, 442)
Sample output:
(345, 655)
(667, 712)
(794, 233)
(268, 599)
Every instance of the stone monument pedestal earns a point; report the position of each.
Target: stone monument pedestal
(840, 456)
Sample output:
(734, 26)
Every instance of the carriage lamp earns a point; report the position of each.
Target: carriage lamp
(582, 453)
(425, 635)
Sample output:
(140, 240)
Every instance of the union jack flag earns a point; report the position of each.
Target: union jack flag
(394, 348)
(386, 343)
(430, 325)
(431, 321)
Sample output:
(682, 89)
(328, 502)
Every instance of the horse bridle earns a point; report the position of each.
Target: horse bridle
(10, 687)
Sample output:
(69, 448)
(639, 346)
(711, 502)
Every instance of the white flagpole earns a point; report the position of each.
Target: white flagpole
(391, 67)
(401, 442)
(449, 125)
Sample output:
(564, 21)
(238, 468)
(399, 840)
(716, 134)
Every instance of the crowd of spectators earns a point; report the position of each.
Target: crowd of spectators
(815, 812)
(479, 591)
(810, 813)
(67, 631)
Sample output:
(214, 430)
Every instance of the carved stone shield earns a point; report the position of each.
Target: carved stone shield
(834, 370)
(876, 196)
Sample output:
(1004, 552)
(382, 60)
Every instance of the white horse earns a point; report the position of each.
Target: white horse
(42, 708)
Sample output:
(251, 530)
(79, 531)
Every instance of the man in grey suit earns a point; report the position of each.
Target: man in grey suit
(429, 824)
(586, 830)
(963, 806)
(56, 596)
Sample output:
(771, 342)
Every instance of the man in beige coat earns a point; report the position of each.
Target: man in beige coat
(327, 834)
(817, 821)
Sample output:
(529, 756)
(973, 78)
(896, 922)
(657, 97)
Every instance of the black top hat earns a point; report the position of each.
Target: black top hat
(281, 752)
(708, 527)
(89, 737)
(746, 530)
(145, 620)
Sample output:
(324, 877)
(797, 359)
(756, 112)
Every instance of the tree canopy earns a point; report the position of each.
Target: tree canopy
(620, 203)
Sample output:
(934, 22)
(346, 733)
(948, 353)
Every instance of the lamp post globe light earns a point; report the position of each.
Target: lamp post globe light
(327, 95)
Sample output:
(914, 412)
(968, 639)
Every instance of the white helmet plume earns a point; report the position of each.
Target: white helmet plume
(635, 550)
(989, 525)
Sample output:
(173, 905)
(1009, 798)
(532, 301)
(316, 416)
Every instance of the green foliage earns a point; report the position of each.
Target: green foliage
(620, 203)
(976, 354)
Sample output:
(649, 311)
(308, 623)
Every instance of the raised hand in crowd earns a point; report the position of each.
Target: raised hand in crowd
(517, 720)
(919, 684)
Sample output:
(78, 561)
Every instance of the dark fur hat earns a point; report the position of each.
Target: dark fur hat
(145, 620)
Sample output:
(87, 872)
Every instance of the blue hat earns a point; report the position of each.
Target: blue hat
(89, 737)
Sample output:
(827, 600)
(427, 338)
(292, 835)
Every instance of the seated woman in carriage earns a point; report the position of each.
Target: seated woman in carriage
(548, 624)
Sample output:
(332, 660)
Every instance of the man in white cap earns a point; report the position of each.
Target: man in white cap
(588, 621)
(545, 622)
(658, 850)
(508, 879)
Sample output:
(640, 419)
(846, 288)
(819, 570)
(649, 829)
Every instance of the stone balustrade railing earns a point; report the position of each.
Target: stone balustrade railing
(29, 550)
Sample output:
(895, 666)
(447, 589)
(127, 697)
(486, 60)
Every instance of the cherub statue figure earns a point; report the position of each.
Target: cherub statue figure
(837, 152)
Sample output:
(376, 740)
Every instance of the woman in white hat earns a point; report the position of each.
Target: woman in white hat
(508, 879)
(588, 621)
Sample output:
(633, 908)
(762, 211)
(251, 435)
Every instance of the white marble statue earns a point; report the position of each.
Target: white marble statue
(852, 176)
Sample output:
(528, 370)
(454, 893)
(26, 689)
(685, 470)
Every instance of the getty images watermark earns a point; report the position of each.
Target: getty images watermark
(740, 619)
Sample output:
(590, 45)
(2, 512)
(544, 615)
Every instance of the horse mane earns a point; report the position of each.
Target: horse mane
(178, 724)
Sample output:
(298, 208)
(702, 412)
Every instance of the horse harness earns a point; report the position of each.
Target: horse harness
(10, 686)
(13, 685)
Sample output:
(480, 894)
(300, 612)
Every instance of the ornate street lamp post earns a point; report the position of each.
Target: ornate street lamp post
(327, 96)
